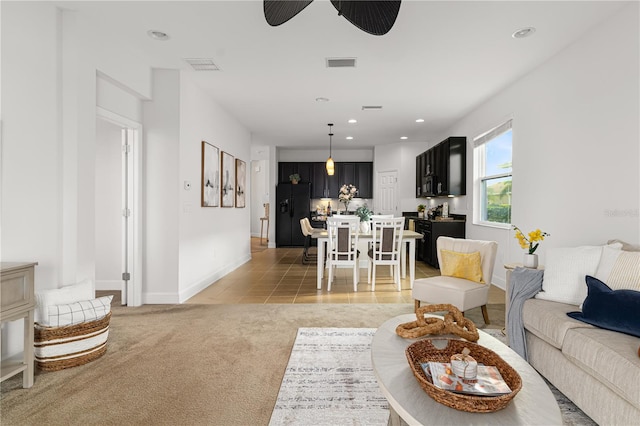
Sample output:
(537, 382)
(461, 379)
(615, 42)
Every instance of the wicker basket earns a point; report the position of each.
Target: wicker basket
(425, 351)
(57, 348)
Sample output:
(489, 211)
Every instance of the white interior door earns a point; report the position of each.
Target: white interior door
(386, 199)
(118, 223)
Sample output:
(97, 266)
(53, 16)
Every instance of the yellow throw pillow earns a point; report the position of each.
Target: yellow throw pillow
(461, 265)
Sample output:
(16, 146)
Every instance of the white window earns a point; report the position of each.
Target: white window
(492, 177)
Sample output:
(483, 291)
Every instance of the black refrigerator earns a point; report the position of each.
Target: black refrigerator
(292, 204)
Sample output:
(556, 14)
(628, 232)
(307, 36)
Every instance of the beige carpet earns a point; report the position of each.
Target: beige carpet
(187, 365)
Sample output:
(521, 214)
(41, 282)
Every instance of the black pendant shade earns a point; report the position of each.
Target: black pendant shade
(277, 12)
(373, 17)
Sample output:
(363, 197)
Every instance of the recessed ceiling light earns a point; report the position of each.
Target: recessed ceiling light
(404, 137)
(353, 120)
(322, 99)
(349, 138)
(420, 120)
(524, 32)
(158, 35)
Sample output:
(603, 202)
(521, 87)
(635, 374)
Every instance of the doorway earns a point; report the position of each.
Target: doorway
(386, 200)
(117, 206)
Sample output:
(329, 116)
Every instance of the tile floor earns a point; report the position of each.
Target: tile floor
(277, 275)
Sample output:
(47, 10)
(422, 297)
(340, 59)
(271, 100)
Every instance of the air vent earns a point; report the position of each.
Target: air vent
(341, 62)
(371, 107)
(202, 64)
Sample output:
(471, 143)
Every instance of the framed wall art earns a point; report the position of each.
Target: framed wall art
(241, 179)
(227, 190)
(210, 185)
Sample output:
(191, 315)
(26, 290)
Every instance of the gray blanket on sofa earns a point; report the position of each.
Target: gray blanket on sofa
(525, 283)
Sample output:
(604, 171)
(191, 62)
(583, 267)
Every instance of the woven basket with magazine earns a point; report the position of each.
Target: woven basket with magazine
(424, 351)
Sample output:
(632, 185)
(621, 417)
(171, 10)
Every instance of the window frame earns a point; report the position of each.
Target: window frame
(480, 179)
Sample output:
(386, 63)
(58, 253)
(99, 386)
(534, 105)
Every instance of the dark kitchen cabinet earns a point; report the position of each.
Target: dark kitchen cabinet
(419, 174)
(347, 174)
(333, 184)
(364, 180)
(441, 170)
(286, 169)
(359, 174)
(318, 180)
(323, 185)
(431, 230)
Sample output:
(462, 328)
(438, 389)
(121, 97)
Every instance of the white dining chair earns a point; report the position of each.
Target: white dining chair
(342, 247)
(385, 248)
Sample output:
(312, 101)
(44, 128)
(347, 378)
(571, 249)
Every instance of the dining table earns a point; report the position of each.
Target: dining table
(408, 241)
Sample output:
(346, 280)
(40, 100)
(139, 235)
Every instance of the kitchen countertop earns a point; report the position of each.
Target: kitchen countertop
(437, 219)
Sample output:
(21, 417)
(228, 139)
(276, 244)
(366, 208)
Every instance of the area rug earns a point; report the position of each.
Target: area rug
(330, 381)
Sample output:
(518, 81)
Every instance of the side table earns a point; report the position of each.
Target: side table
(17, 301)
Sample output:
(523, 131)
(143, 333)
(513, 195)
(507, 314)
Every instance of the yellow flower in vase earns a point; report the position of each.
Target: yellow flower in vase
(532, 240)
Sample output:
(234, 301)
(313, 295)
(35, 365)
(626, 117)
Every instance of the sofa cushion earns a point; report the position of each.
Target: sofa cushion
(549, 320)
(625, 245)
(565, 270)
(608, 356)
(619, 269)
(617, 310)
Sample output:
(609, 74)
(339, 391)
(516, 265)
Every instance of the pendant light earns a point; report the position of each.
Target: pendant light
(330, 165)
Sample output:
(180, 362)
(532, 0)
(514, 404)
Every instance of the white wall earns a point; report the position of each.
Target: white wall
(575, 143)
(575, 153)
(315, 155)
(402, 158)
(49, 148)
(213, 241)
(31, 163)
(116, 98)
(161, 189)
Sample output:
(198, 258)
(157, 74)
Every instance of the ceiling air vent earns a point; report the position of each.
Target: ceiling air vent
(202, 64)
(341, 62)
(371, 107)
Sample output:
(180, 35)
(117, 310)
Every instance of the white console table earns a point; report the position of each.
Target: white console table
(17, 302)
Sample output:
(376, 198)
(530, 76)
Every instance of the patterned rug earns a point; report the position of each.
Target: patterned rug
(329, 381)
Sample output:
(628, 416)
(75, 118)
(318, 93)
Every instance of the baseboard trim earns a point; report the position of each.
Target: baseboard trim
(205, 282)
(108, 285)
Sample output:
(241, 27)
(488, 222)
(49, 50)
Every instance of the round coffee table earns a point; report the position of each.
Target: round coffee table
(409, 403)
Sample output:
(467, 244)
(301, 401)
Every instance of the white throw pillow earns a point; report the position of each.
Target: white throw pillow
(619, 269)
(78, 312)
(564, 273)
(68, 294)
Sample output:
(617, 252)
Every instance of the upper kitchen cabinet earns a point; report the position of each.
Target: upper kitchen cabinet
(359, 174)
(286, 169)
(347, 174)
(441, 170)
(364, 179)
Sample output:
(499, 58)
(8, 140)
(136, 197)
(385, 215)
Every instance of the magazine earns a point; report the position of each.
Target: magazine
(488, 383)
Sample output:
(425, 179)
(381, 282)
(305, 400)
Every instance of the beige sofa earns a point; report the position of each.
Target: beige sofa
(599, 370)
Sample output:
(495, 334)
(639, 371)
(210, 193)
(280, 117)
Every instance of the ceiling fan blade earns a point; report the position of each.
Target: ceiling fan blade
(373, 17)
(277, 12)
